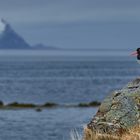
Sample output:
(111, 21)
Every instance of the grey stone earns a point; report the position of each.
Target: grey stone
(119, 111)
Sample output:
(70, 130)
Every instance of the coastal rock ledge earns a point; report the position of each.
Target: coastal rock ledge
(119, 111)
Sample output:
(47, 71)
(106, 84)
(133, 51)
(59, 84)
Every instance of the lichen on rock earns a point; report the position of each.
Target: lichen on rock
(119, 111)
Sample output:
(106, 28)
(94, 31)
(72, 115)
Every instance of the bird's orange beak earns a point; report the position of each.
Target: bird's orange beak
(134, 53)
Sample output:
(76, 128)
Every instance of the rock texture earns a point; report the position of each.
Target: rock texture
(119, 111)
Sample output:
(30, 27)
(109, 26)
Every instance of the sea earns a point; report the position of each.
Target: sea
(66, 77)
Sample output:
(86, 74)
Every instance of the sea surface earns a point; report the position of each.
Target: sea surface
(63, 77)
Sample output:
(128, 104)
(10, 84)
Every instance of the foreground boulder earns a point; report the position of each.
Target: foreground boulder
(119, 111)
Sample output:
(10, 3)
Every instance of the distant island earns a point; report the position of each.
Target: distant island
(9, 39)
(42, 47)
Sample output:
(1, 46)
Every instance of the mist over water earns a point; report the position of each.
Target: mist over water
(65, 53)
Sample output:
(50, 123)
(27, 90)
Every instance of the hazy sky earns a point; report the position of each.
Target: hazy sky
(76, 23)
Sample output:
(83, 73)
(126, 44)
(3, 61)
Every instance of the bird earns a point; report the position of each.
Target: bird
(136, 53)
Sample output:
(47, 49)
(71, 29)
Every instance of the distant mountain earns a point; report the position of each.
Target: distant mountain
(44, 47)
(9, 39)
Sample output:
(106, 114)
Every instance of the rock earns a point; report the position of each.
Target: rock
(90, 104)
(49, 104)
(38, 109)
(1, 104)
(21, 105)
(119, 111)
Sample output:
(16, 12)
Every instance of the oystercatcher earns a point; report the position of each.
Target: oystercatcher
(136, 53)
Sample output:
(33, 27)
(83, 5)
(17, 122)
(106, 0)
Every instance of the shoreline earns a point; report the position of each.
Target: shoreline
(39, 107)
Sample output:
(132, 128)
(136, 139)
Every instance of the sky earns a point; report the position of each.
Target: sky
(76, 24)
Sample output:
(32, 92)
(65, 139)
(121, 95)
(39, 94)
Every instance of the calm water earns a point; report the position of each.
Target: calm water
(51, 124)
(64, 80)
